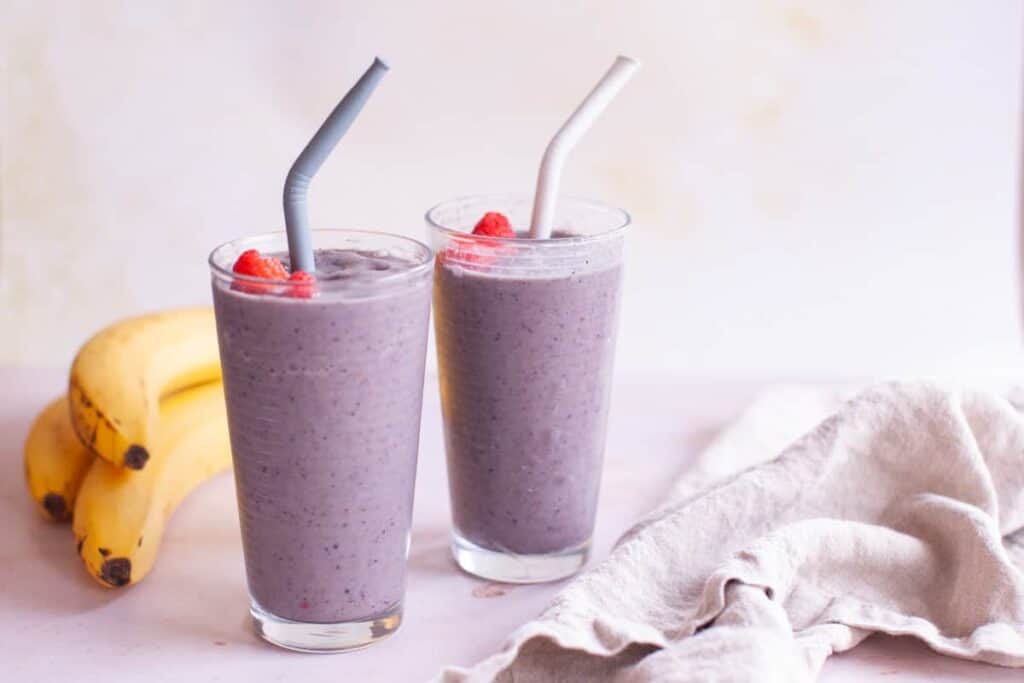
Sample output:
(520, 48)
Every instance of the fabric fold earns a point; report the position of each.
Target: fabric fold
(807, 525)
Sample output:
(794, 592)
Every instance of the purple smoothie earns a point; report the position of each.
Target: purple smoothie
(324, 399)
(525, 362)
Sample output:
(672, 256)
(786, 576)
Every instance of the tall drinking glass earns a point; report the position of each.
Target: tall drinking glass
(525, 342)
(324, 397)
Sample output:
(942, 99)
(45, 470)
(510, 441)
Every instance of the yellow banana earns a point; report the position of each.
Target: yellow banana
(55, 461)
(120, 375)
(121, 514)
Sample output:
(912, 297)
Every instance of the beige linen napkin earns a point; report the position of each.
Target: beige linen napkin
(893, 514)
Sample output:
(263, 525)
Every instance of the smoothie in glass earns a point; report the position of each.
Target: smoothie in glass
(525, 340)
(324, 392)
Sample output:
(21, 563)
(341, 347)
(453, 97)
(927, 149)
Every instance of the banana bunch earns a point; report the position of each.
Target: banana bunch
(142, 425)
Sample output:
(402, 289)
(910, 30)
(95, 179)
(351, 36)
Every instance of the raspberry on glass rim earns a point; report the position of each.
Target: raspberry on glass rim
(482, 252)
(494, 224)
(254, 264)
(307, 287)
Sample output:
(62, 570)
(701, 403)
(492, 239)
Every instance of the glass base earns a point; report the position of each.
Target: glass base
(509, 567)
(316, 638)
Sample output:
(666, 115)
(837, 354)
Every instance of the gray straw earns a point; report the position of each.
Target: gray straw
(296, 186)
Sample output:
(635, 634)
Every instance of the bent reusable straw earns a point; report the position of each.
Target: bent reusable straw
(568, 135)
(296, 186)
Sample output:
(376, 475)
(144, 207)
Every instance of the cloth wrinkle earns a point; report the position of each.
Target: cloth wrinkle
(808, 524)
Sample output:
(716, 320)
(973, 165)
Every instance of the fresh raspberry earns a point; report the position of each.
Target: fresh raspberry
(494, 224)
(253, 264)
(306, 286)
(248, 261)
(475, 252)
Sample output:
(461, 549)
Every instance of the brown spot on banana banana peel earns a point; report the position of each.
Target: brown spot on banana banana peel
(105, 552)
(80, 420)
(116, 505)
(55, 461)
(56, 507)
(116, 572)
(78, 548)
(86, 402)
(136, 457)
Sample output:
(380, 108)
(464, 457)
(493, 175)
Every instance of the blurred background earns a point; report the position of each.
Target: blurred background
(822, 188)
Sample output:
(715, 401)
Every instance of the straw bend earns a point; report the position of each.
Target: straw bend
(296, 185)
(549, 176)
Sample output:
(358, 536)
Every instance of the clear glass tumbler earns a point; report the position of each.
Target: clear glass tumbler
(324, 396)
(525, 341)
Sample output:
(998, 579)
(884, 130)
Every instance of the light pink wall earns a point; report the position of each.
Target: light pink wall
(817, 186)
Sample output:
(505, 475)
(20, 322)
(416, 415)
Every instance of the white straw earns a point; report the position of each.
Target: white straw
(568, 135)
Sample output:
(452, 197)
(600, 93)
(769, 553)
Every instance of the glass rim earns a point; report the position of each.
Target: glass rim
(424, 265)
(625, 220)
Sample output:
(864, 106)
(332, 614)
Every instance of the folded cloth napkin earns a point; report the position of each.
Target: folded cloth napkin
(782, 546)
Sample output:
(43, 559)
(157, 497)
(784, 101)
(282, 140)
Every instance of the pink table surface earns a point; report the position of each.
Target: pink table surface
(187, 620)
